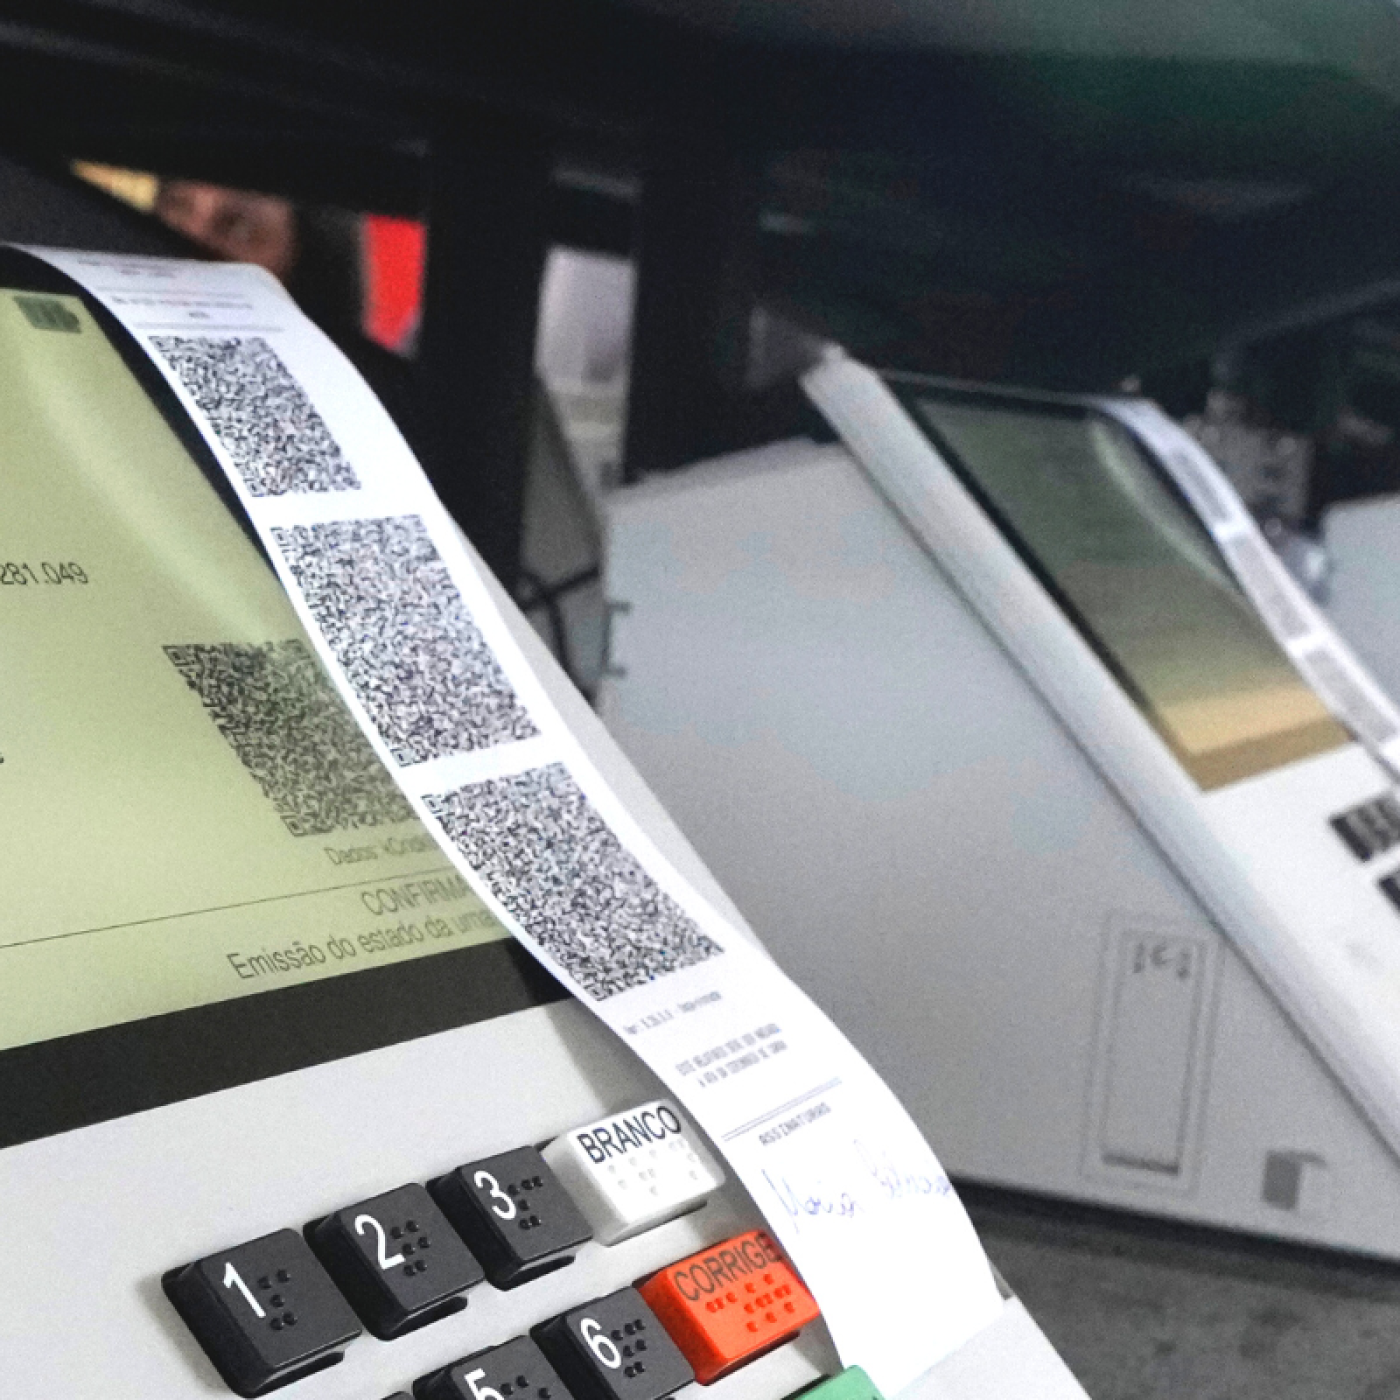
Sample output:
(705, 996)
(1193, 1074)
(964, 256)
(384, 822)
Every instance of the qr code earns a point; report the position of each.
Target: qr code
(556, 865)
(261, 416)
(284, 720)
(393, 616)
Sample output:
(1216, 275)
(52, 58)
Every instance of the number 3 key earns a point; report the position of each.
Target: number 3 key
(514, 1213)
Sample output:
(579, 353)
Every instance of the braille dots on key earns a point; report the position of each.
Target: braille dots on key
(631, 1344)
(514, 1213)
(635, 1170)
(526, 1219)
(280, 1316)
(264, 1311)
(730, 1303)
(397, 1259)
(768, 1300)
(614, 1349)
(515, 1370)
(673, 1161)
(411, 1240)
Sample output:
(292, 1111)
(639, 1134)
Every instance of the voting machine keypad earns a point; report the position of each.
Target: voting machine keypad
(730, 1303)
(516, 1370)
(265, 1312)
(515, 1214)
(1370, 829)
(397, 1260)
(270, 1311)
(614, 1348)
(634, 1171)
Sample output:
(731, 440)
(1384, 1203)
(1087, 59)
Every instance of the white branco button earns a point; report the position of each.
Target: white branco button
(634, 1170)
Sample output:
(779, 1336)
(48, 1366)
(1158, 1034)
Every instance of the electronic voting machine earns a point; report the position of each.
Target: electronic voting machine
(1023, 754)
(281, 1101)
(1362, 543)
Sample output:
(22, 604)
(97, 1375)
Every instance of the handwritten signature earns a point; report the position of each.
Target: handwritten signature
(808, 1202)
(896, 1182)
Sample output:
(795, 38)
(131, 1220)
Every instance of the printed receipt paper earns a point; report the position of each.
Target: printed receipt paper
(1293, 619)
(406, 626)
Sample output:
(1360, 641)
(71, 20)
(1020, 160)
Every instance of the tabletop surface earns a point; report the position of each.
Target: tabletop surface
(1144, 1311)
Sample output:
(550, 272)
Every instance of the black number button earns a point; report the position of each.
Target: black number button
(1353, 833)
(1371, 828)
(515, 1213)
(1390, 888)
(515, 1371)
(265, 1312)
(614, 1349)
(398, 1260)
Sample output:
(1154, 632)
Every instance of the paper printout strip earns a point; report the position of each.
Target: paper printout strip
(405, 624)
(1296, 624)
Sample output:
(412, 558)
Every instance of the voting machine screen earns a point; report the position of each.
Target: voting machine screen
(281, 1102)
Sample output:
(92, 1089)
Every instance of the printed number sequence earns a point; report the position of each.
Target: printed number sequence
(16, 572)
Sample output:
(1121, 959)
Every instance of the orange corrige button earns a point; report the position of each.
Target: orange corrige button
(727, 1304)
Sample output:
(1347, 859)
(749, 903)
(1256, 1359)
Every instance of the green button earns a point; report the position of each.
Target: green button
(851, 1384)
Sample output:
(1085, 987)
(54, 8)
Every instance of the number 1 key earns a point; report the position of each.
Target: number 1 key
(265, 1312)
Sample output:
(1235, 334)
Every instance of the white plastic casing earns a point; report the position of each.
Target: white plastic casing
(635, 1170)
(109, 1208)
(838, 705)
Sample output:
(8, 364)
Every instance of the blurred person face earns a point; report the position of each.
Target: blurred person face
(235, 224)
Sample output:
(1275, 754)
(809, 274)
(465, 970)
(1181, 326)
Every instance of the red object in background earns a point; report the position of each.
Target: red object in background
(395, 254)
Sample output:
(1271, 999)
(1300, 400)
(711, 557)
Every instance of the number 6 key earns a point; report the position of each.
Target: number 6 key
(614, 1349)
